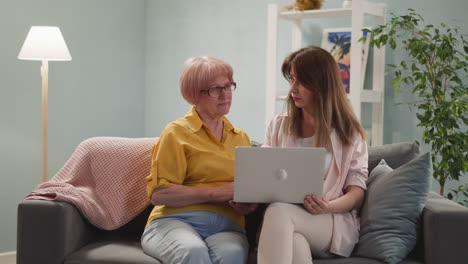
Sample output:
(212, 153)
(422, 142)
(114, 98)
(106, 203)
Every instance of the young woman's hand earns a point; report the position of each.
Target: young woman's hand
(316, 205)
(243, 208)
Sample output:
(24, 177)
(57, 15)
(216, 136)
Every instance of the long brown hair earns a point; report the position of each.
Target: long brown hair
(317, 71)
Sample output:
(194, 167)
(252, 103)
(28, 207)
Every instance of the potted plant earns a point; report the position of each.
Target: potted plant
(435, 68)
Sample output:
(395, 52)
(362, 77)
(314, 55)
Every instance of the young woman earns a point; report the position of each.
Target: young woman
(319, 115)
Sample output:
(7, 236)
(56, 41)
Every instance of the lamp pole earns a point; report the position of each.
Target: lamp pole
(45, 86)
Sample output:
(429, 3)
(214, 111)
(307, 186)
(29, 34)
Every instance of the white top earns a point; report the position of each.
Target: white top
(309, 142)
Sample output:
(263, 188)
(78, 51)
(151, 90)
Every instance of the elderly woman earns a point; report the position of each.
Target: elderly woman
(191, 182)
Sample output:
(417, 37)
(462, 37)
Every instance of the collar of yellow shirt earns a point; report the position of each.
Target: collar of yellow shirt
(195, 122)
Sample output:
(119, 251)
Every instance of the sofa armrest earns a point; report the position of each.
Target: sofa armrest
(445, 230)
(49, 230)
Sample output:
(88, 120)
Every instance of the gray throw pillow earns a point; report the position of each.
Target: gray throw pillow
(378, 171)
(395, 154)
(391, 210)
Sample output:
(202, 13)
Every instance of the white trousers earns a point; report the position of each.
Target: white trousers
(290, 234)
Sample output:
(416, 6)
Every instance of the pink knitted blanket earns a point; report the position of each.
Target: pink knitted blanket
(104, 179)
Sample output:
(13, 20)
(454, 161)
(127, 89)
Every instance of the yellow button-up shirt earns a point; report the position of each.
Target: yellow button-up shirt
(187, 153)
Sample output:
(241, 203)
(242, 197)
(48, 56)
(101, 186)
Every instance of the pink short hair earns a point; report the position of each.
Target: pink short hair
(198, 73)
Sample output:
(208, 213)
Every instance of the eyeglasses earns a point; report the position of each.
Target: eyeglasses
(216, 91)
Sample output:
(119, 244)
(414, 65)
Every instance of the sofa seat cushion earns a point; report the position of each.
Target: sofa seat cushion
(113, 251)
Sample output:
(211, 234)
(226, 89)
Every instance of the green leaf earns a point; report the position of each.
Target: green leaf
(428, 27)
(392, 43)
(397, 86)
(403, 64)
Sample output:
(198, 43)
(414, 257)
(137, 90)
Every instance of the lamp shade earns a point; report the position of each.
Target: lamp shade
(44, 43)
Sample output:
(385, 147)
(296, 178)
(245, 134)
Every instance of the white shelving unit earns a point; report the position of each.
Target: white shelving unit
(357, 95)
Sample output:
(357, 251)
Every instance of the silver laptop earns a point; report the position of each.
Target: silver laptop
(265, 175)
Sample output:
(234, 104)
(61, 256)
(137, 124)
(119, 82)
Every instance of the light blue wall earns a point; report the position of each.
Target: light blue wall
(99, 93)
(123, 80)
(234, 31)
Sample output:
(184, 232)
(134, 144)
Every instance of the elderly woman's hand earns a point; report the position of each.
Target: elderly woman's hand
(243, 208)
(181, 195)
(223, 193)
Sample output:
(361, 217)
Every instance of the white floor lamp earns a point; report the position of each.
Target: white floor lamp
(44, 44)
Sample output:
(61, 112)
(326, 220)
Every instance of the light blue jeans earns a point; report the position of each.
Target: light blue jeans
(195, 237)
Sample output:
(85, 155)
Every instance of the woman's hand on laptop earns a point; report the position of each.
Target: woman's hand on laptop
(243, 208)
(316, 205)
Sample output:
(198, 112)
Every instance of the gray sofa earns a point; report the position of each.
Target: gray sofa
(51, 232)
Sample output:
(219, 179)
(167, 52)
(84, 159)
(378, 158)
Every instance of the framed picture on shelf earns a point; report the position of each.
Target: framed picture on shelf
(338, 42)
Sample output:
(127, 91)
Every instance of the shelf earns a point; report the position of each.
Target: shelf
(281, 95)
(332, 12)
(368, 9)
(357, 95)
(367, 96)
(371, 96)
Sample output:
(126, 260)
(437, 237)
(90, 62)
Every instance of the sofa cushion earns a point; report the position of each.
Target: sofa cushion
(395, 154)
(111, 252)
(391, 210)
